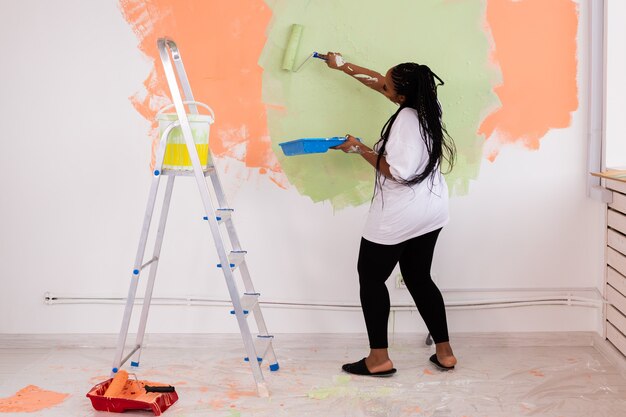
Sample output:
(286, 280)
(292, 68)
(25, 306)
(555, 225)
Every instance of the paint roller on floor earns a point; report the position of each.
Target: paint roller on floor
(291, 50)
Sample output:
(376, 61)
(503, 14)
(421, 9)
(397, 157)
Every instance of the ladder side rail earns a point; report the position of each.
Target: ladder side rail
(159, 238)
(234, 239)
(210, 213)
(153, 269)
(191, 148)
(182, 75)
(143, 239)
(243, 267)
(230, 226)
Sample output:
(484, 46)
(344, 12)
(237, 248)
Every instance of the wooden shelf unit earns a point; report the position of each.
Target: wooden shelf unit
(615, 280)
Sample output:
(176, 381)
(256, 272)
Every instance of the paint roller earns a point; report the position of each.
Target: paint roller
(118, 384)
(121, 378)
(291, 50)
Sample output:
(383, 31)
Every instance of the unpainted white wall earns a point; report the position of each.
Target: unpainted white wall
(615, 84)
(74, 179)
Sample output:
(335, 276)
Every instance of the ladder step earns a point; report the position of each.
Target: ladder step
(248, 301)
(221, 215)
(235, 258)
(264, 344)
(186, 173)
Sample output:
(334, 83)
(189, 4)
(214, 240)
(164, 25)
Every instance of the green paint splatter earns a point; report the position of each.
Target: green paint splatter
(234, 413)
(341, 388)
(342, 379)
(384, 391)
(448, 36)
(335, 391)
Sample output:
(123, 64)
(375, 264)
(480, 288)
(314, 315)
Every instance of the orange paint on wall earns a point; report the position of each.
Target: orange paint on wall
(30, 399)
(220, 43)
(535, 47)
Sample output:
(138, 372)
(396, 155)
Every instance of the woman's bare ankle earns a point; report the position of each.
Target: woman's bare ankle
(445, 356)
(378, 360)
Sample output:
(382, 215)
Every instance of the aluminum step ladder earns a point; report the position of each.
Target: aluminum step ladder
(257, 348)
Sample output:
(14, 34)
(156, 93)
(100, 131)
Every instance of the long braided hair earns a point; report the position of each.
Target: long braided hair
(417, 84)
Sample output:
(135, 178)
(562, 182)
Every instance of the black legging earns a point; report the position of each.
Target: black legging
(376, 262)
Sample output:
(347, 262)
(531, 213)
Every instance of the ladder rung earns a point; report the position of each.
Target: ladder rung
(235, 259)
(156, 258)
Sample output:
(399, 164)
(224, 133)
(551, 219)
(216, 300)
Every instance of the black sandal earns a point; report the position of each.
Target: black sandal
(436, 362)
(360, 368)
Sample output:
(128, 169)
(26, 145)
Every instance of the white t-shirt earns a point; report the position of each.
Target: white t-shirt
(403, 212)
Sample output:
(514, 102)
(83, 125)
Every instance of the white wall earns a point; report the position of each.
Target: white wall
(74, 181)
(616, 84)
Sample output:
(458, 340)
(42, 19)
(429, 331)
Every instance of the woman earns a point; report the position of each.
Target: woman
(408, 210)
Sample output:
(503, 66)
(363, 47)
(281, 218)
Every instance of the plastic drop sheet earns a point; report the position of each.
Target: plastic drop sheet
(491, 379)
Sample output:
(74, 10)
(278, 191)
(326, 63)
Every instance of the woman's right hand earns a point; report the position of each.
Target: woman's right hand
(334, 60)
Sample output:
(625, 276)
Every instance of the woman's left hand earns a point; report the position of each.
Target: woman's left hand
(351, 145)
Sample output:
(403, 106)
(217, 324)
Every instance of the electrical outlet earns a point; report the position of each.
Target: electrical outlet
(400, 282)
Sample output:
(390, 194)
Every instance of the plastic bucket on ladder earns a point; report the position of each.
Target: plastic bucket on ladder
(176, 153)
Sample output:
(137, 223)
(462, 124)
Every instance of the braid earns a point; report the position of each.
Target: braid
(417, 84)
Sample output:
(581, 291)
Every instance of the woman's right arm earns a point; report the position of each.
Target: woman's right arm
(370, 78)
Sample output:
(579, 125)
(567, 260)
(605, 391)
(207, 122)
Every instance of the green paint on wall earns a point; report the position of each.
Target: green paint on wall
(448, 36)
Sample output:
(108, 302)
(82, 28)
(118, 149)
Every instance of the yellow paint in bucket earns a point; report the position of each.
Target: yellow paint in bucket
(177, 156)
(176, 152)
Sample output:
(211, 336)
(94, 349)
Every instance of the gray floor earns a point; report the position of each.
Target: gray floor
(560, 375)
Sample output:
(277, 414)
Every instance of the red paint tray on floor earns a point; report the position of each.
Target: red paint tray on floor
(158, 402)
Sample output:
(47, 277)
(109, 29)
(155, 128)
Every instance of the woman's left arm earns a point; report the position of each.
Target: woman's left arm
(353, 145)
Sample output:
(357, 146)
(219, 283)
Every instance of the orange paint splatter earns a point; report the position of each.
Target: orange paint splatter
(98, 379)
(234, 394)
(428, 372)
(30, 399)
(220, 43)
(217, 404)
(535, 372)
(535, 47)
(411, 410)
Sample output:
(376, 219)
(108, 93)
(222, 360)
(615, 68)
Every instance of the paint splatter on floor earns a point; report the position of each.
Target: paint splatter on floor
(30, 399)
(491, 380)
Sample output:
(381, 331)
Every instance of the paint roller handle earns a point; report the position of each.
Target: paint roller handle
(320, 56)
(197, 103)
(334, 60)
(167, 388)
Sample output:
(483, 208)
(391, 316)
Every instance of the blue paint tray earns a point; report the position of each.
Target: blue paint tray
(310, 145)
